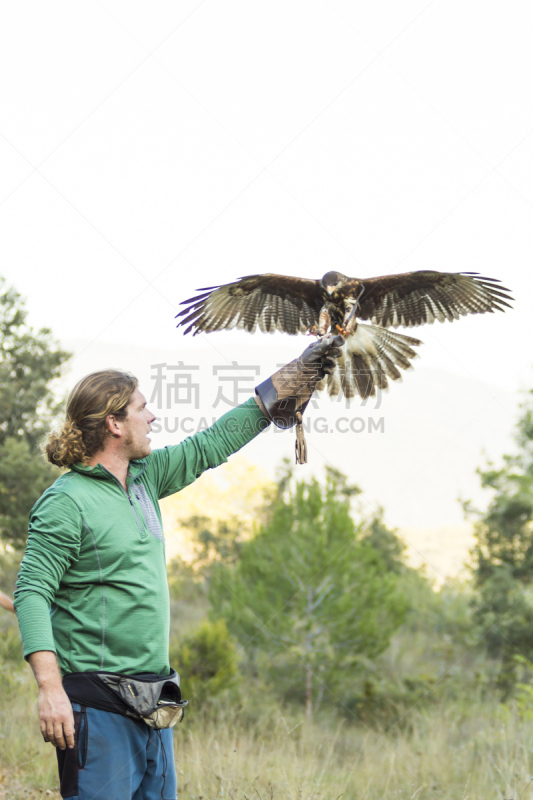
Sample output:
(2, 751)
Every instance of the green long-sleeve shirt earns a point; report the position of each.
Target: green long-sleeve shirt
(92, 586)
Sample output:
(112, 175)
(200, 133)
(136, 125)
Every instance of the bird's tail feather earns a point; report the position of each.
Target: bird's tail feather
(369, 357)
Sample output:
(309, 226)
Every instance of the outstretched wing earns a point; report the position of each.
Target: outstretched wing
(272, 302)
(416, 298)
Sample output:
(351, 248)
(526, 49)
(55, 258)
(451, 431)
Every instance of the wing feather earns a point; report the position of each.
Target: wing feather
(272, 302)
(417, 298)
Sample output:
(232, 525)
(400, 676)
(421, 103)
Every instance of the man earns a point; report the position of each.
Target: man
(92, 595)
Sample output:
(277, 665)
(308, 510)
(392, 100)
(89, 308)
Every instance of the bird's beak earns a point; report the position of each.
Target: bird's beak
(330, 289)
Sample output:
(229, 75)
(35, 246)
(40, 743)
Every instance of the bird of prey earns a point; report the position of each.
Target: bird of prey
(372, 353)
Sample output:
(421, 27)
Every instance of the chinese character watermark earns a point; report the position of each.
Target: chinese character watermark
(179, 385)
(236, 381)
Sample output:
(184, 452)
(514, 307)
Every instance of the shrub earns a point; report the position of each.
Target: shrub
(206, 661)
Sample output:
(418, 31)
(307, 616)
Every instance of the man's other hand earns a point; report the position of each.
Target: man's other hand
(6, 602)
(55, 710)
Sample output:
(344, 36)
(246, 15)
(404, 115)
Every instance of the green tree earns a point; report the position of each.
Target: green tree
(29, 361)
(386, 542)
(214, 540)
(308, 589)
(206, 660)
(502, 559)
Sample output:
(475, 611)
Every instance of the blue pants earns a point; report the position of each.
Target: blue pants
(116, 758)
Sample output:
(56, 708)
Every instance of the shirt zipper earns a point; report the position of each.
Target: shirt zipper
(139, 523)
(135, 512)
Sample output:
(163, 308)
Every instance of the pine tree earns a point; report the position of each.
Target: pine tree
(503, 553)
(308, 592)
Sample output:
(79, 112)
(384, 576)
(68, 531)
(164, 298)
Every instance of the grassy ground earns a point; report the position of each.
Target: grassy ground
(449, 742)
(450, 752)
(446, 754)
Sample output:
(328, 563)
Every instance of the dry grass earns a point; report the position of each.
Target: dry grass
(445, 754)
(28, 767)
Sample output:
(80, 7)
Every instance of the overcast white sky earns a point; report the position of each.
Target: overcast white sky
(147, 150)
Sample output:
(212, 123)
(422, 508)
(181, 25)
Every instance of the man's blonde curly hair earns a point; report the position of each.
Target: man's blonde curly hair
(84, 430)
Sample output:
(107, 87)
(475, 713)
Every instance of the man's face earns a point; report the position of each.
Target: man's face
(137, 426)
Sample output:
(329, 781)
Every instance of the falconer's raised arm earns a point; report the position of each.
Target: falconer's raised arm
(176, 466)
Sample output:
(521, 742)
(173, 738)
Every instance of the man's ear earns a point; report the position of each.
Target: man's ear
(113, 426)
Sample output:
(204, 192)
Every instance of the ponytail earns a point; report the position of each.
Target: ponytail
(66, 447)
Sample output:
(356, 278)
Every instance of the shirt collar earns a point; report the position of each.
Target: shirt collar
(135, 470)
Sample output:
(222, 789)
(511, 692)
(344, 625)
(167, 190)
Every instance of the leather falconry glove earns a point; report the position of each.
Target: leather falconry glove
(285, 394)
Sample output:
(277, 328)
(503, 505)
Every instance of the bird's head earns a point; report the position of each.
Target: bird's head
(332, 281)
